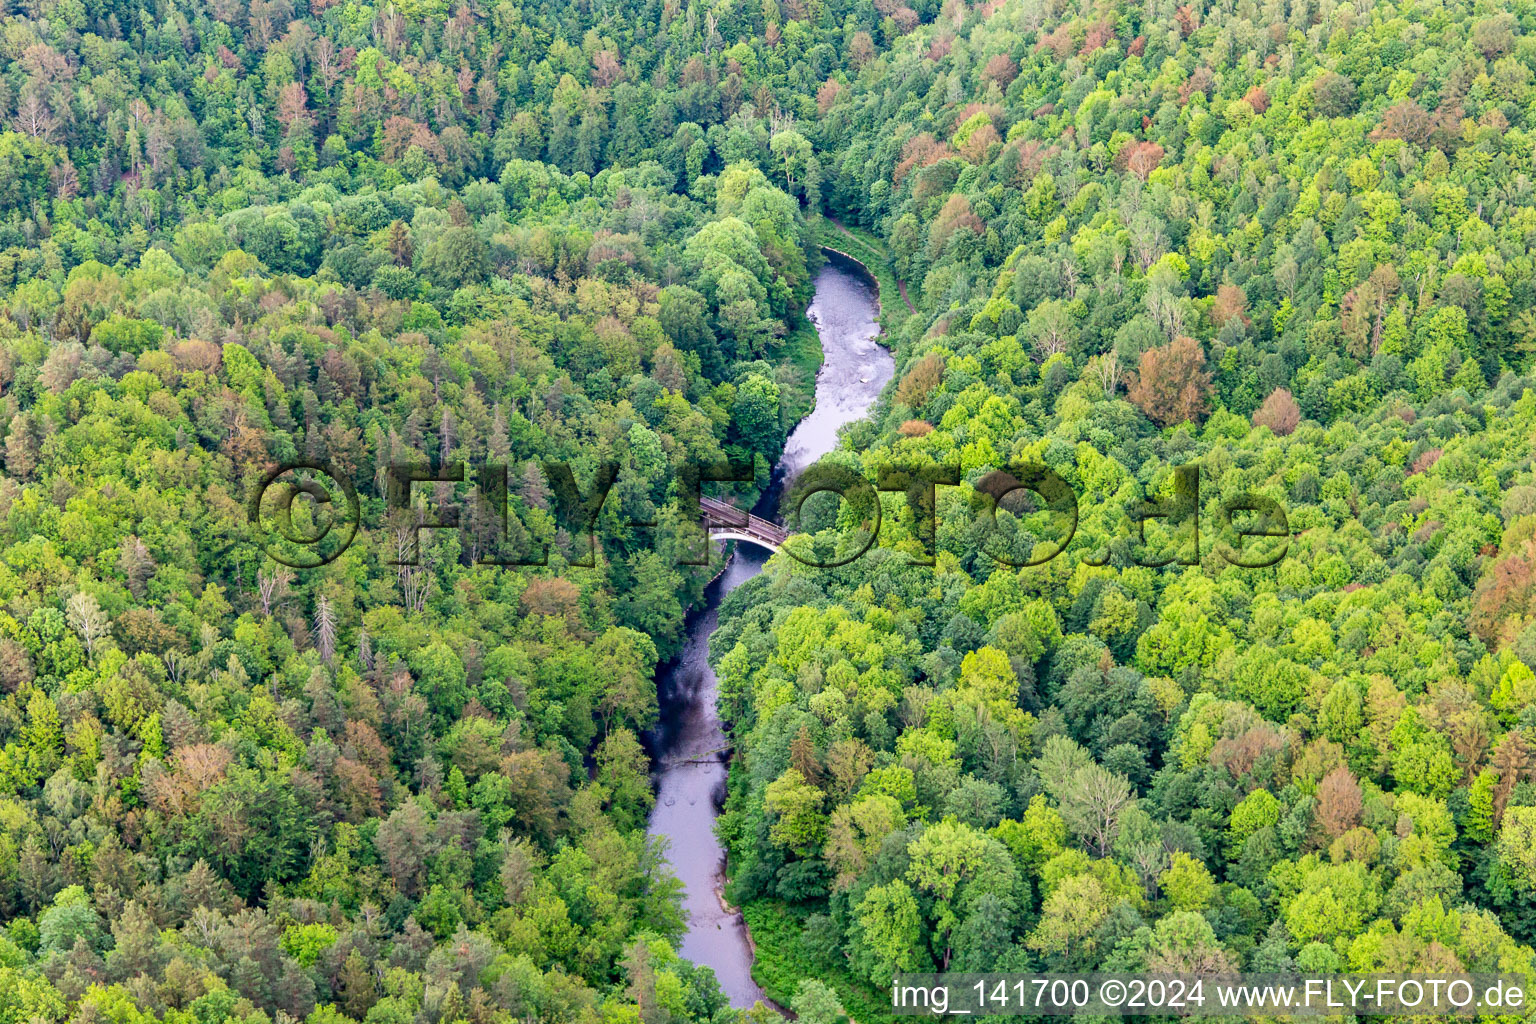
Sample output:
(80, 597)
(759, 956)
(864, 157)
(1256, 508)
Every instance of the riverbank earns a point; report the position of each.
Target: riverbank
(896, 303)
(781, 962)
(801, 349)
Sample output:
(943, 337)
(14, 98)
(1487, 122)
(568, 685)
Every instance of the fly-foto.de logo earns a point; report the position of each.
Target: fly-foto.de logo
(308, 514)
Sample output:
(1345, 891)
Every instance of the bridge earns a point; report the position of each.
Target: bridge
(727, 522)
(714, 755)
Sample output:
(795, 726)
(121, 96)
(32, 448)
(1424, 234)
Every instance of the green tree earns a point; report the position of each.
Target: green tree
(888, 933)
(799, 824)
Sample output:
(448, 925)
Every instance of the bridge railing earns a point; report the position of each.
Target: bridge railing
(725, 514)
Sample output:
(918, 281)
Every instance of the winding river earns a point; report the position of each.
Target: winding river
(689, 738)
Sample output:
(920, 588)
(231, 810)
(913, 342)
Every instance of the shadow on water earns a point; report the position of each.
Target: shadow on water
(688, 741)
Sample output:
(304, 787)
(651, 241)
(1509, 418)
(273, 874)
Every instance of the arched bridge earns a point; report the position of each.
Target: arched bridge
(727, 522)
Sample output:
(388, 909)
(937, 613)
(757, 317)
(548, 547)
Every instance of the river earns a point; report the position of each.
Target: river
(854, 370)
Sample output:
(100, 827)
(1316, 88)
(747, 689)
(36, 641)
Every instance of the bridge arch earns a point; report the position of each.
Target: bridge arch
(719, 533)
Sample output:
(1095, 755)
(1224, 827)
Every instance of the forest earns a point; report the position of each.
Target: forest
(1286, 243)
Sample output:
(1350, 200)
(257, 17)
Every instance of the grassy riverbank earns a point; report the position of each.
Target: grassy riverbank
(895, 306)
(800, 349)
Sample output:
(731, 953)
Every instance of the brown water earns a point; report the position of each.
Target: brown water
(689, 739)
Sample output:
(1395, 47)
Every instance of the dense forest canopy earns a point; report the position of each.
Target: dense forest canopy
(1289, 244)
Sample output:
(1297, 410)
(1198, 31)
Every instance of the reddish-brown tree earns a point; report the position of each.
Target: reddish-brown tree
(1202, 81)
(606, 69)
(1407, 121)
(293, 107)
(1339, 803)
(1363, 312)
(827, 94)
(1172, 384)
(975, 147)
(1058, 42)
(955, 216)
(1000, 69)
(1279, 412)
(918, 152)
(1099, 33)
(1425, 461)
(1504, 595)
(1231, 302)
(1140, 158)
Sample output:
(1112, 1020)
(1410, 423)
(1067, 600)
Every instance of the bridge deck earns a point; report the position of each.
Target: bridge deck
(723, 516)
